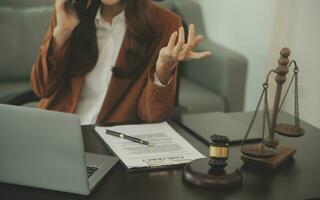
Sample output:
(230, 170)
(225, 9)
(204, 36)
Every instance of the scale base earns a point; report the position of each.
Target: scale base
(258, 151)
(200, 173)
(283, 153)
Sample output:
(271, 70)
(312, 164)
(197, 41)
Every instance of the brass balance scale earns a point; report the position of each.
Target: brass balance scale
(269, 153)
(213, 172)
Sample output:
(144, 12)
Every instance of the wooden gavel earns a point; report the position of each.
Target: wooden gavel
(218, 152)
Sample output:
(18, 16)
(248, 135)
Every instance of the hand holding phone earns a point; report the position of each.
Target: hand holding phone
(67, 20)
(80, 6)
(67, 17)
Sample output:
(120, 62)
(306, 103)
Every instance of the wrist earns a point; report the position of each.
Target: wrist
(164, 73)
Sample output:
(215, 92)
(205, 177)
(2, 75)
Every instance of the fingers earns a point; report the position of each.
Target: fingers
(194, 43)
(192, 32)
(192, 40)
(198, 55)
(181, 42)
(172, 40)
(177, 48)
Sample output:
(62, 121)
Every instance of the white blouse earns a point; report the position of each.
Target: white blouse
(109, 38)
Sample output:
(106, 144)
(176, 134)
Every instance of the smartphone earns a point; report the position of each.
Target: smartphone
(80, 7)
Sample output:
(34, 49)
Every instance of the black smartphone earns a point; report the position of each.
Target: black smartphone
(80, 7)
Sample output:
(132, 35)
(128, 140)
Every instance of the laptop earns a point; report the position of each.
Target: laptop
(45, 149)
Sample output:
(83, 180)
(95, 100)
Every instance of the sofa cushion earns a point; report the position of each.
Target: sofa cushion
(26, 3)
(197, 98)
(21, 33)
(10, 90)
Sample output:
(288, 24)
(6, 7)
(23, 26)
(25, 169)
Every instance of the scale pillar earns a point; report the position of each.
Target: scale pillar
(281, 71)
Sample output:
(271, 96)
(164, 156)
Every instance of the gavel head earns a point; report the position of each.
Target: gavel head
(218, 152)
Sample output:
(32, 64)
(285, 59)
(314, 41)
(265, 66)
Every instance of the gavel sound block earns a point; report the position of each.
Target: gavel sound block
(213, 172)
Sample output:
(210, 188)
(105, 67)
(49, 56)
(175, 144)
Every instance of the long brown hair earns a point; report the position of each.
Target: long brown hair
(84, 49)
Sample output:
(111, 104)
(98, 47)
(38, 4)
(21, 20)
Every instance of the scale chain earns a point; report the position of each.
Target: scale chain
(296, 107)
(266, 102)
(296, 103)
(266, 117)
(255, 114)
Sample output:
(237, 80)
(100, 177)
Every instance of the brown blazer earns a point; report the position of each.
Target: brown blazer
(126, 100)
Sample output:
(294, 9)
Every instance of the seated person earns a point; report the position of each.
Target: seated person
(115, 63)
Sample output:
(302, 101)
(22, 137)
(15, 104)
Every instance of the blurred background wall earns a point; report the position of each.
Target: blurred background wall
(259, 29)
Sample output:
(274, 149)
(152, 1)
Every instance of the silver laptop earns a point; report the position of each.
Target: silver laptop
(45, 149)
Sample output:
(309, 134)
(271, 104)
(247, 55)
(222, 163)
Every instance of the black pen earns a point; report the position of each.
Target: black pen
(127, 137)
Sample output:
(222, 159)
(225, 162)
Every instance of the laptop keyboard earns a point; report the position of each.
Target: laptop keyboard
(91, 170)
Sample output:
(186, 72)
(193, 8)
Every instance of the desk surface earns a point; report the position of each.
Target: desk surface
(299, 178)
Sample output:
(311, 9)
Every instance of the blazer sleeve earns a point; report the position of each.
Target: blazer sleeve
(156, 102)
(49, 70)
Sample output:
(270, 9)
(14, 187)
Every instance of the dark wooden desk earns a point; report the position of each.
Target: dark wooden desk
(297, 179)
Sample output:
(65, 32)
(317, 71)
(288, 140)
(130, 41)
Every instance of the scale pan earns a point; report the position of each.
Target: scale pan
(256, 151)
(289, 130)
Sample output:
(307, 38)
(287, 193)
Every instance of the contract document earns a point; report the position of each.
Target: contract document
(167, 146)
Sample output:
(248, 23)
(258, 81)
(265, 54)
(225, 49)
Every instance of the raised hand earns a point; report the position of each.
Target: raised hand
(67, 21)
(67, 18)
(177, 51)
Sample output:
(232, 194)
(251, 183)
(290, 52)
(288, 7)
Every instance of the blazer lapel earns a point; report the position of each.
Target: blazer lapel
(117, 86)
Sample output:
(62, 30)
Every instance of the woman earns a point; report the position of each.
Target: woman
(116, 62)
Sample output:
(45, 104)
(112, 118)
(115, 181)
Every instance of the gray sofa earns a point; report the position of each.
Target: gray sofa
(23, 24)
(212, 84)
